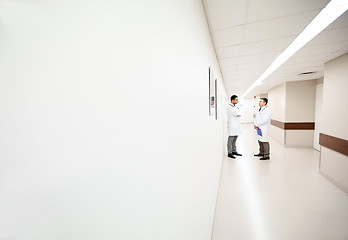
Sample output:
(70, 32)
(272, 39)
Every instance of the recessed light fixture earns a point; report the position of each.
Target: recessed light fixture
(330, 13)
(306, 73)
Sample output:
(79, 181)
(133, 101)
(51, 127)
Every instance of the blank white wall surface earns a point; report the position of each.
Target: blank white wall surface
(334, 165)
(335, 111)
(300, 101)
(318, 115)
(299, 138)
(104, 126)
(277, 133)
(334, 119)
(276, 97)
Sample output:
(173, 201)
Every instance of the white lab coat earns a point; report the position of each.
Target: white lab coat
(263, 120)
(233, 115)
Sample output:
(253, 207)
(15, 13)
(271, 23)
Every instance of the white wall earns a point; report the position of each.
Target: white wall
(335, 113)
(334, 165)
(318, 113)
(299, 138)
(104, 126)
(293, 102)
(276, 98)
(300, 107)
(300, 101)
(277, 133)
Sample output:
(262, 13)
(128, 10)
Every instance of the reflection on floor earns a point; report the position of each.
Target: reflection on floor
(281, 199)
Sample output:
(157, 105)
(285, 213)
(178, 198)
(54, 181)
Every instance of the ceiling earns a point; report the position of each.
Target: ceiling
(249, 34)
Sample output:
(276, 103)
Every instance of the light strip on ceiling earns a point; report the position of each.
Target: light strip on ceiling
(330, 13)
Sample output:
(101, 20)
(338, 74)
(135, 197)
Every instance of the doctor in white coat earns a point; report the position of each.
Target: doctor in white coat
(262, 122)
(233, 115)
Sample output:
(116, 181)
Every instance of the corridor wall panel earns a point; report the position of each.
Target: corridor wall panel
(105, 130)
(334, 164)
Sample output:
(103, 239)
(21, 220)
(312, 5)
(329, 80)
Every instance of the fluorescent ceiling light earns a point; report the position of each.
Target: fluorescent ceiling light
(330, 13)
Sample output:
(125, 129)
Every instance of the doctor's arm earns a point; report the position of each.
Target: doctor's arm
(234, 112)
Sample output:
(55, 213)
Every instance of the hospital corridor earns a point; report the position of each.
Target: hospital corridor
(173, 120)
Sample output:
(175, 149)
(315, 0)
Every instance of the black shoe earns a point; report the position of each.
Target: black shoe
(265, 158)
(258, 155)
(237, 154)
(230, 155)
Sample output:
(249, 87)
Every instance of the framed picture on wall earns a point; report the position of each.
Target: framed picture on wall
(212, 95)
(216, 110)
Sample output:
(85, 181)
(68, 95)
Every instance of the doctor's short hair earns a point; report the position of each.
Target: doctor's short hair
(234, 97)
(265, 100)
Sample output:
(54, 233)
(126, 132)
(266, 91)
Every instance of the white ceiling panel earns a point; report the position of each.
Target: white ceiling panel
(266, 46)
(315, 57)
(241, 83)
(228, 37)
(227, 52)
(335, 55)
(328, 47)
(268, 9)
(229, 62)
(288, 73)
(236, 89)
(275, 28)
(294, 70)
(267, 57)
(340, 22)
(245, 77)
(278, 79)
(257, 58)
(260, 67)
(226, 13)
(331, 35)
(260, 47)
(256, 67)
(345, 48)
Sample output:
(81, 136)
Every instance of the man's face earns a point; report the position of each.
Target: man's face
(235, 101)
(262, 103)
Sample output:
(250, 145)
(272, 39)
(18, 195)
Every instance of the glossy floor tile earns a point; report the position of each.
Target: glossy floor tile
(282, 199)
